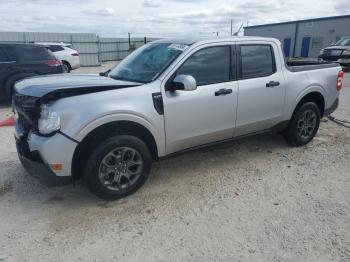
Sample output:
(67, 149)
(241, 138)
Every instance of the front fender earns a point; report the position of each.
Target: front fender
(158, 136)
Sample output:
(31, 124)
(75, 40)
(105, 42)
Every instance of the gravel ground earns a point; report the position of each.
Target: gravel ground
(256, 199)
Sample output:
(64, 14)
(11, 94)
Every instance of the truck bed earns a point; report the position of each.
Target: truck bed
(306, 64)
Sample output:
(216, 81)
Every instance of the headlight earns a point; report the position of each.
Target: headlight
(321, 51)
(346, 52)
(49, 121)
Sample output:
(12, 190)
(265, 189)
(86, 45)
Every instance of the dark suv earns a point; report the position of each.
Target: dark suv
(338, 52)
(19, 61)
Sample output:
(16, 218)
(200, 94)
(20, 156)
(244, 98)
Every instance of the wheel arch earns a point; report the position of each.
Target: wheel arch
(313, 96)
(121, 127)
(65, 61)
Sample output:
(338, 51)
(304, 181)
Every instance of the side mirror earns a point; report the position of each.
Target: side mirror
(105, 73)
(183, 82)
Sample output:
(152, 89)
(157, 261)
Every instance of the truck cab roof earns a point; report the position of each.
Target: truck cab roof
(207, 40)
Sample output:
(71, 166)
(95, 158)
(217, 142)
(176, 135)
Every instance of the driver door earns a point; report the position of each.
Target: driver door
(207, 114)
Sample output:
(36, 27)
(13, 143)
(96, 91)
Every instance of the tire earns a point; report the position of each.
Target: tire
(9, 86)
(66, 67)
(110, 164)
(303, 125)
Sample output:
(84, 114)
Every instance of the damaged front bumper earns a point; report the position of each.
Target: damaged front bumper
(36, 153)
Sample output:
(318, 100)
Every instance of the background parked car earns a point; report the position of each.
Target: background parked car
(65, 53)
(19, 61)
(339, 52)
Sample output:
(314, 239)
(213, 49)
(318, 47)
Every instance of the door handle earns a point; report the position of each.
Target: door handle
(223, 92)
(8, 62)
(272, 84)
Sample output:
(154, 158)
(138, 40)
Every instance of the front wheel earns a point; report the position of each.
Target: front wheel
(304, 124)
(118, 167)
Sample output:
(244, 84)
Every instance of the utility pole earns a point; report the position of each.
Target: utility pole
(231, 27)
(129, 37)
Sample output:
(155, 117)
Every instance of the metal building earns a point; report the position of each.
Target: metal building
(304, 38)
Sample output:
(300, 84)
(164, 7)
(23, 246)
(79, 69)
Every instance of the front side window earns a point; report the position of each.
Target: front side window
(208, 66)
(257, 61)
(147, 62)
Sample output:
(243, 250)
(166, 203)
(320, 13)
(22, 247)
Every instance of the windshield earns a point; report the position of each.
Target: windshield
(344, 41)
(147, 62)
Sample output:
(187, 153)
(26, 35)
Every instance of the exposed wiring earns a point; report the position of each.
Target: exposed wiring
(339, 121)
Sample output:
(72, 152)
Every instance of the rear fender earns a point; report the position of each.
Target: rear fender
(305, 92)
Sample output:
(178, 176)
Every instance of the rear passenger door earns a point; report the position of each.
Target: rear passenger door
(261, 91)
(5, 62)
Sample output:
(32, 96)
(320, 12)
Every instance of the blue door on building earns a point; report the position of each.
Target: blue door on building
(305, 46)
(286, 47)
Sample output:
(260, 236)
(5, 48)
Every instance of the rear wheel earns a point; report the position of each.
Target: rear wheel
(118, 167)
(66, 67)
(304, 124)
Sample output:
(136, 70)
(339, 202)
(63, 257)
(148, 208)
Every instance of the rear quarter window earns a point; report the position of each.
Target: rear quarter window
(55, 48)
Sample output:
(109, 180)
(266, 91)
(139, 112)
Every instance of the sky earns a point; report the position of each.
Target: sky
(157, 18)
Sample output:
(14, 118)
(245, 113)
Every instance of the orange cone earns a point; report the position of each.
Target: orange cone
(10, 121)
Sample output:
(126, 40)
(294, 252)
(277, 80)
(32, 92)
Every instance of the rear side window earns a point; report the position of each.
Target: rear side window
(31, 53)
(3, 56)
(257, 61)
(55, 48)
(208, 66)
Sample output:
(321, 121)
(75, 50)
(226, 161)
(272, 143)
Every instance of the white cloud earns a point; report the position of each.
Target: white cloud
(160, 18)
(107, 11)
(151, 3)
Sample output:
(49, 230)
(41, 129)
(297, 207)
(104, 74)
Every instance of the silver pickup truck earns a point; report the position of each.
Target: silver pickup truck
(167, 97)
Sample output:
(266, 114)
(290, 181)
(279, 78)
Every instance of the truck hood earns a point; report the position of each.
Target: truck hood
(63, 85)
(338, 47)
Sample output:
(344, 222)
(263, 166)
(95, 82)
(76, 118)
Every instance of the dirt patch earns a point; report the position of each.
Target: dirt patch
(5, 188)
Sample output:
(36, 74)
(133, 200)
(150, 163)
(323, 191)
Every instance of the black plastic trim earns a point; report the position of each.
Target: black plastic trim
(158, 102)
(277, 128)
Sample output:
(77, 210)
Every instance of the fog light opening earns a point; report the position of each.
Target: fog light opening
(56, 166)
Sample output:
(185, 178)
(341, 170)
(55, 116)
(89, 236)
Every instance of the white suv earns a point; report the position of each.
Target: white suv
(65, 53)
